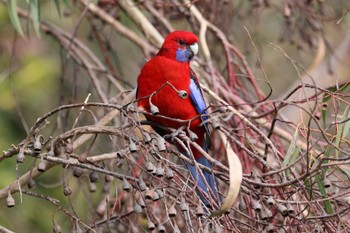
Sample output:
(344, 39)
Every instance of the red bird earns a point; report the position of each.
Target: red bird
(167, 86)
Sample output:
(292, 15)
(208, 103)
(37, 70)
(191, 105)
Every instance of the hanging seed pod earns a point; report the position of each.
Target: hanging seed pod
(172, 211)
(154, 172)
(92, 187)
(270, 201)
(290, 209)
(153, 109)
(141, 202)
(142, 185)
(69, 146)
(149, 166)
(155, 196)
(200, 211)
(256, 205)
(160, 193)
(132, 146)
(37, 145)
(150, 226)
(147, 138)
(327, 183)
(183, 204)
(126, 185)
(119, 162)
(77, 171)
(161, 228)
(193, 136)
(137, 208)
(67, 191)
(265, 213)
(161, 143)
(41, 166)
(257, 185)
(270, 228)
(108, 178)
(183, 94)
(282, 209)
(169, 173)
(159, 170)
(20, 156)
(93, 177)
(149, 194)
(56, 227)
(31, 183)
(10, 202)
(216, 124)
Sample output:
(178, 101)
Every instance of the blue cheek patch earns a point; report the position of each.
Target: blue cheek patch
(182, 55)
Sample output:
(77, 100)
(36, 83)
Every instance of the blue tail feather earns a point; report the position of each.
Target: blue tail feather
(200, 182)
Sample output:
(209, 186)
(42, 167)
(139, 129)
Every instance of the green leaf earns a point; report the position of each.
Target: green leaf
(35, 13)
(12, 11)
(327, 203)
(292, 152)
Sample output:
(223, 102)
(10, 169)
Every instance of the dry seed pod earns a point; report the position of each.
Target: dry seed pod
(156, 196)
(271, 201)
(169, 173)
(160, 170)
(183, 94)
(20, 156)
(256, 205)
(290, 209)
(132, 146)
(82, 157)
(92, 187)
(56, 227)
(142, 185)
(126, 185)
(161, 228)
(108, 178)
(327, 183)
(141, 202)
(200, 211)
(160, 193)
(31, 183)
(172, 211)
(41, 166)
(150, 226)
(147, 137)
(270, 228)
(161, 143)
(193, 136)
(283, 209)
(183, 204)
(149, 166)
(216, 124)
(37, 145)
(153, 109)
(137, 208)
(265, 214)
(149, 194)
(10, 202)
(77, 171)
(93, 177)
(67, 191)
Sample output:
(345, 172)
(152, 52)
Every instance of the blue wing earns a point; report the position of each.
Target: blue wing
(199, 103)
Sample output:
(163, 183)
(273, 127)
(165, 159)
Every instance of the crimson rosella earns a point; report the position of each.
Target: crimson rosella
(168, 82)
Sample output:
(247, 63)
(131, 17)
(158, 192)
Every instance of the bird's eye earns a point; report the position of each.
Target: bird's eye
(182, 42)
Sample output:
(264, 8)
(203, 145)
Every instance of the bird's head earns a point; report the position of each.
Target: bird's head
(180, 45)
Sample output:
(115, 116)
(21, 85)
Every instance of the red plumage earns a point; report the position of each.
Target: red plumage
(160, 81)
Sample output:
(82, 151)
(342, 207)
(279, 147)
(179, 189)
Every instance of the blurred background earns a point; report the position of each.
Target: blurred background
(38, 75)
